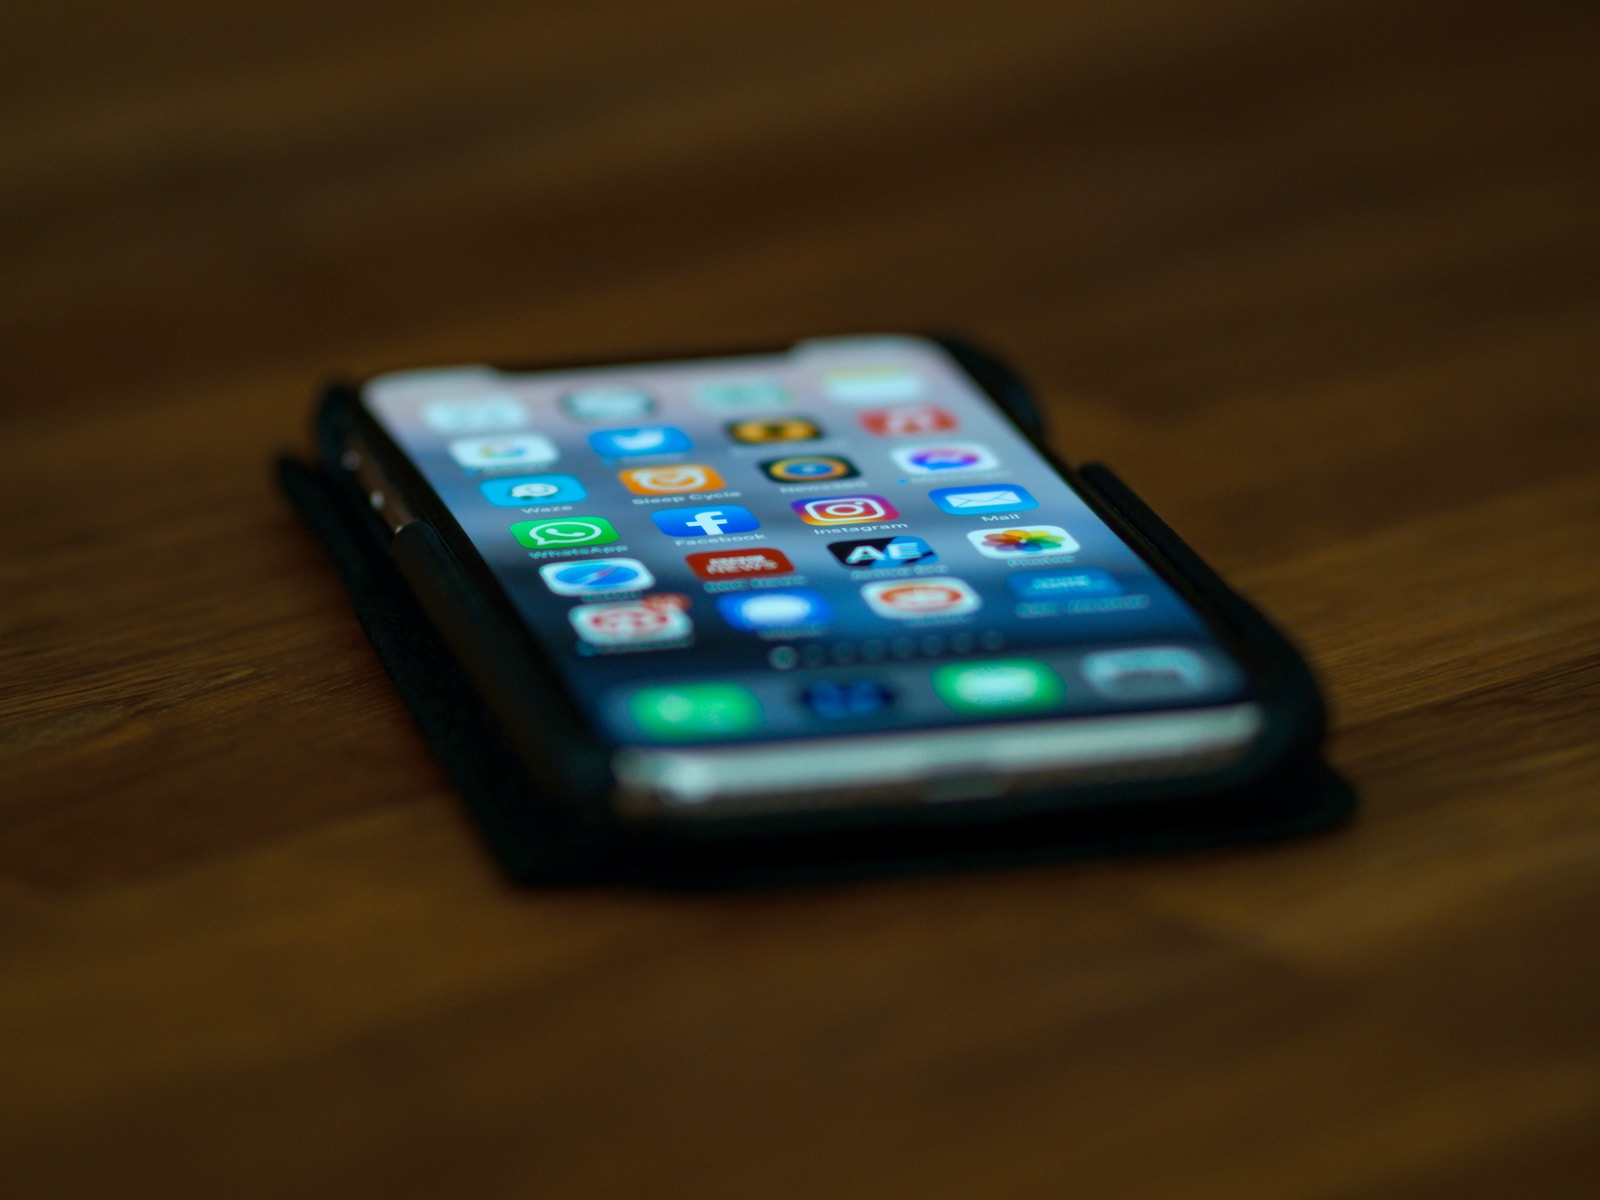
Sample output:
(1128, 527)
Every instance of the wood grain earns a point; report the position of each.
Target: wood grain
(1322, 280)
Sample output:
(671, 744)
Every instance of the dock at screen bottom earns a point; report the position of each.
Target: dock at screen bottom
(1112, 679)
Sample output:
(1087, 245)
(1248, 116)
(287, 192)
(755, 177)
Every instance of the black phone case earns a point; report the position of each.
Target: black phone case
(1285, 791)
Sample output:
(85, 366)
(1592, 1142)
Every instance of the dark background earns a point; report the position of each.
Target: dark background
(1321, 279)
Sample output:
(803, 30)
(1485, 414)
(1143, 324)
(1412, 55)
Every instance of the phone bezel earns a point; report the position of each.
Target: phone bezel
(574, 769)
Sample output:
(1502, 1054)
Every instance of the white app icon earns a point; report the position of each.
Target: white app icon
(644, 622)
(945, 458)
(1023, 541)
(509, 450)
(476, 414)
(597, 576)
(743, 394)
(1000, 497)
(1154, 672)
(608, 404)
(872, 385)
(910, 598)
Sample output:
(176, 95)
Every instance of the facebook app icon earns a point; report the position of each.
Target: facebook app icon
(704, 522)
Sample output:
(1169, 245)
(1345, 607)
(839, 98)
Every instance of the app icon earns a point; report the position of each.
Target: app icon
(1087, 583)
(1154, 673)
(1023, 541)
(554, 533)
(659, 481)
(910, 598)
(1001, 685)
(844, 510)
(643, 439)
(739, 564)
(596, 576)
(506, 450)
(477, 414)
(872, 385)
(774, 429)
(844, 701)
(907, 420)
(608, 404)
(705, 522)
(946, 457)
(809, 468)
(991, 498)
(522, 491)
(695, 710)
(743, 394)
(884, 552)
(648, 621)
(769, 611)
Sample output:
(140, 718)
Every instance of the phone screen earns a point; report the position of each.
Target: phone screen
(847, 537)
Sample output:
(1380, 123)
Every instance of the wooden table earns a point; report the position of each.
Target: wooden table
(1321, 279)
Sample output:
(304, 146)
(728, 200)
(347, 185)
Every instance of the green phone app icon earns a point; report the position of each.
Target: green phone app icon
(1003, 685)
(695, 710)
(555, 533)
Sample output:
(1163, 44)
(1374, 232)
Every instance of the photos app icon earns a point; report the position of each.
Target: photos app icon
(844, 510)
(1023, 541)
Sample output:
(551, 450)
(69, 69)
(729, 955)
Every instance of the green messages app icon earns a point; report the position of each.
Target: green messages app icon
(556, 533)
(1003, 685)
(695, 710)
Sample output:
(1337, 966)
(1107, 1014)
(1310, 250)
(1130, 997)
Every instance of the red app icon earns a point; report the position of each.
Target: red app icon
(908, 420)
(739, 564)
(647, 621)
(907, 599)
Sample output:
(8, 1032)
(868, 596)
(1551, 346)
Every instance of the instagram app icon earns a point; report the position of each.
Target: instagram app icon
(844, 510)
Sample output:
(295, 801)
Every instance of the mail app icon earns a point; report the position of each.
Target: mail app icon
(988, 498)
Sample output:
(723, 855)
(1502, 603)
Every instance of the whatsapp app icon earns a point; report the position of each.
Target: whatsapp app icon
(557, 533)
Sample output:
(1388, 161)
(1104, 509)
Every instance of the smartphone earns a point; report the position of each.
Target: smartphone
(842, 581)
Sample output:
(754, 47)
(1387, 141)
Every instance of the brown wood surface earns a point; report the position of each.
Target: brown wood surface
(1322, 279)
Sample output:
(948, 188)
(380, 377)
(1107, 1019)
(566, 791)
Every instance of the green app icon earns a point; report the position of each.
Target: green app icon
(695, 710)
(556, 533)
(1000, 686)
